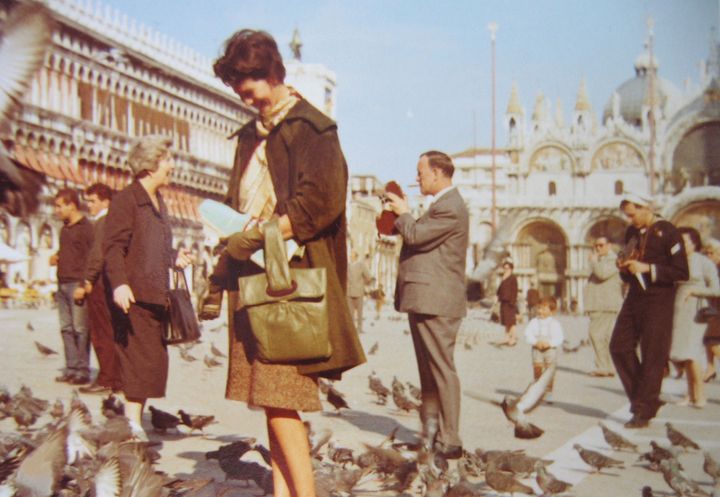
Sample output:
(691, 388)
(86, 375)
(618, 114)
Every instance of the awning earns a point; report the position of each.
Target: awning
(73, 168)
(181, 204)
(50, 165)
(53, 165)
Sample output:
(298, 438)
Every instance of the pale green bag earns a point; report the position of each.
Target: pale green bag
(286, 307)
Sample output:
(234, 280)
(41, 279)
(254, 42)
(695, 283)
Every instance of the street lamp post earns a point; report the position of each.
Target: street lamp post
(651, 102)
(493, 27)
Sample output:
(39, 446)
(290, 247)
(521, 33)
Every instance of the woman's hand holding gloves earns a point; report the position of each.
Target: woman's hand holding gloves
(243, 244)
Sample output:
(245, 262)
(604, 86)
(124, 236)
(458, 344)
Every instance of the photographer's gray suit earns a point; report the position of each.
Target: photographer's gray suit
(431, 289)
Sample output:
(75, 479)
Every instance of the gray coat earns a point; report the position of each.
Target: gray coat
(358, 276)
(604, 287)
(431, 275)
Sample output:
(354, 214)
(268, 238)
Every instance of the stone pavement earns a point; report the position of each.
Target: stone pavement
(487, 373)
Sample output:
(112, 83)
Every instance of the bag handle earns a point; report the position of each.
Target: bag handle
(277, 269)
(176, 279)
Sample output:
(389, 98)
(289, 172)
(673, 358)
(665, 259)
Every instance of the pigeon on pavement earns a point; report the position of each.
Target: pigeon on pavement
(597, 460)
(617, 441)
(679, 439)
(163, 421)
(547, 481)
(44, 350)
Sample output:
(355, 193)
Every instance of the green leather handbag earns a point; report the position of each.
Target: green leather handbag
(286, 307)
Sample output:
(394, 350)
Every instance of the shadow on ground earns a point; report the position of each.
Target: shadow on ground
(382, 425)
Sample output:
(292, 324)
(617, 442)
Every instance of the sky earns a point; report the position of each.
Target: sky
(415, 75)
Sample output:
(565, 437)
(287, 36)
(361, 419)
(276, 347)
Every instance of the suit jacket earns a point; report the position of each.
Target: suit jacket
(662, 247)
(94, 267)
(604, 288)
(431, 275)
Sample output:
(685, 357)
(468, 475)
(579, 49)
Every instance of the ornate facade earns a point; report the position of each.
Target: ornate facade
(559, 183)
(106, 80)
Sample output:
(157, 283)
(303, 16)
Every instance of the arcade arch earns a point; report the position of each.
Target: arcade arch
(540, 255)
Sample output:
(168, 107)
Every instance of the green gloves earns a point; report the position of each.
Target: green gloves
(243, 244)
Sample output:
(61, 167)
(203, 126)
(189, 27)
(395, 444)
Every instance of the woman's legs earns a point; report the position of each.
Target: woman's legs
(292, 469)
(133, 411)
(712, 351)
(510, 336)
(695, 384)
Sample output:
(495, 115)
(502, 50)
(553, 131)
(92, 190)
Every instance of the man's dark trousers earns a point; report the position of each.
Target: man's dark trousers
(646, 318)
(102, 337)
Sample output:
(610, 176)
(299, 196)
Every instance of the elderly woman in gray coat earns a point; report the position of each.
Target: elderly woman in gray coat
(687, 342)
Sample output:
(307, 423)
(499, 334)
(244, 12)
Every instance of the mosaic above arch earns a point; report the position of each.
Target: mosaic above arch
(551, 159)
(617, 155)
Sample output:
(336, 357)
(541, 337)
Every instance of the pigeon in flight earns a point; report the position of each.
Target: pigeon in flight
(515, 409)
(24, 38)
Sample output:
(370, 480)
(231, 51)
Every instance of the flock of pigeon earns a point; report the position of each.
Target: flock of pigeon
(71, 455)
(102, 459)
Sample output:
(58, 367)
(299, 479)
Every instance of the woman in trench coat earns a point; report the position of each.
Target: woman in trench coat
(289, 165)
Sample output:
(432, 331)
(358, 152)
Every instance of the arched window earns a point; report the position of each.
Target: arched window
(552, 189)
(619, 187)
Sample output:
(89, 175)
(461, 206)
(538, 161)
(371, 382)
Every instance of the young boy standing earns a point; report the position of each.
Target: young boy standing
(544, 333)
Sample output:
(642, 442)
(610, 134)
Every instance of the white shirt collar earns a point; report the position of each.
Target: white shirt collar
(441, 193)
(100, 214)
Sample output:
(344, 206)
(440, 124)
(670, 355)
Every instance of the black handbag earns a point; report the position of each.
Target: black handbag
(183, 326)
(705, 314)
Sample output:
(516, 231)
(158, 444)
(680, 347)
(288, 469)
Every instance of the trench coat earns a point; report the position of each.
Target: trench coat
(309, 175)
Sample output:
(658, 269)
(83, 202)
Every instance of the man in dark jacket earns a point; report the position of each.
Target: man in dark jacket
(101, 332)
(76, 239)
(652, 262)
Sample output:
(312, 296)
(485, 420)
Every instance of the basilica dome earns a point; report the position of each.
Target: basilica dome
(630, 97)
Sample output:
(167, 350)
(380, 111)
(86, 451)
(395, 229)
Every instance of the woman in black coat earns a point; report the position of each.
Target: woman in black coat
(138, 253)
(507, 294)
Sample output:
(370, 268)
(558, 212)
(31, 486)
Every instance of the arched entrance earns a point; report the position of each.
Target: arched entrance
(22, 272)
(46, 247)
(696, 159)
(704, 216)
(540, 251)
(612, 228)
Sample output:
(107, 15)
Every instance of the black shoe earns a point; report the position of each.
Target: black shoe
(449, 451)
(65, 378)
(95, 388)
(637, 422)
(79, 380)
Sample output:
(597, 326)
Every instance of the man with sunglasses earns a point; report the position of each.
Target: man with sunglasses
(603, 299)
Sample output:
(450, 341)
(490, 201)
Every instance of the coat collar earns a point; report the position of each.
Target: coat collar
(142, 197)
(303, 110)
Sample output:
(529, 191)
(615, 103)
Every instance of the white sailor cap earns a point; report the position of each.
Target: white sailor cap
(635, 198)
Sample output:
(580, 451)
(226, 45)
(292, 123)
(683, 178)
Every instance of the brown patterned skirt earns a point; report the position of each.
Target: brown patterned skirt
(260, 384)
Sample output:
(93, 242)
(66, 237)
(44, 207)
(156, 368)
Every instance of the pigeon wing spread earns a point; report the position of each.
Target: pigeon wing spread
(533, 394)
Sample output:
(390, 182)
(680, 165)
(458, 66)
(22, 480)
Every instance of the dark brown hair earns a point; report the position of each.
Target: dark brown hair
(441, 161)
(102, 191)
(68, 196)
(694, 236)
(250, 54)
(549, 301)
